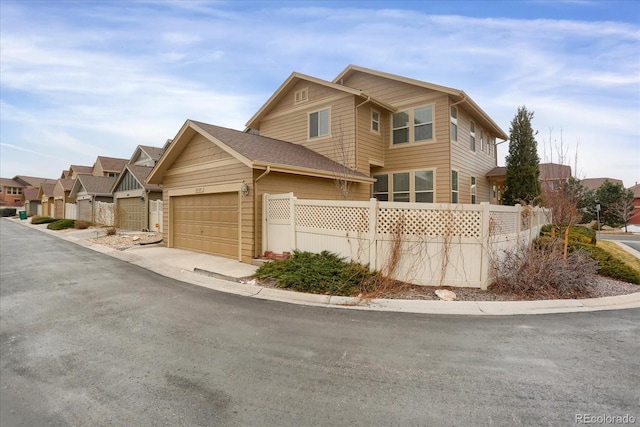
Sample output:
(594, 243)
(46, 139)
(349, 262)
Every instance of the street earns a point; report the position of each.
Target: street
(87, 339)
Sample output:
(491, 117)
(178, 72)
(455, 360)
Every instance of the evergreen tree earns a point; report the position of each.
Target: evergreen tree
(523, 163)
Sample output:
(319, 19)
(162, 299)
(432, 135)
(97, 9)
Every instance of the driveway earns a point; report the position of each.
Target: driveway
(87, 339)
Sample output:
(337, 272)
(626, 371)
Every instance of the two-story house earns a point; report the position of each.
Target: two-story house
(364, 134)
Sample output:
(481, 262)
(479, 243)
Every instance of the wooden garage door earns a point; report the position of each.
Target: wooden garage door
(131, 213)
(59, 209)
(84, 210)
(206, 223)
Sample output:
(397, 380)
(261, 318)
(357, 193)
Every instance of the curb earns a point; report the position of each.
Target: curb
(232, 285)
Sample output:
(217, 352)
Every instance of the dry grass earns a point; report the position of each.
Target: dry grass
(614, 249)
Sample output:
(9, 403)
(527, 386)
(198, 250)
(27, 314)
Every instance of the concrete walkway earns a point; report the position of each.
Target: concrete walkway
(230, 276)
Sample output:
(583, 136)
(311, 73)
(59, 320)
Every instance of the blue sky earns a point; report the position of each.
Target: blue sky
(82, 79)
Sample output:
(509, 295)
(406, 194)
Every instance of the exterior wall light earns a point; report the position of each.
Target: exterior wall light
(244, 189)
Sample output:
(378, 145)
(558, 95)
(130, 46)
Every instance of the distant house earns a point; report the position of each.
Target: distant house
(12, 189)
(595, 183)
(108, 166)
(635, 218)
(47, 199)
(552, 175)
(61, 196)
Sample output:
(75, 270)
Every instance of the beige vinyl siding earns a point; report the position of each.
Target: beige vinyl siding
(302, 187)
(232, 172)
(290, 122)
(98, 170)
(471, 163)
(371, 145)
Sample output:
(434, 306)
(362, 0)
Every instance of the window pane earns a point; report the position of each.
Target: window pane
(454, 180)
(313, 125)
(424, 197)
(401, 182)
(424, 180)
(400, 197)
(422, 115)
(454, 132)
(454, 197)
(454, 112)
(383, 197)
(323, 122)
(374, 126)
(400, 136)
(472, 144)
(400, 119)
(382, 184)
(423, 132)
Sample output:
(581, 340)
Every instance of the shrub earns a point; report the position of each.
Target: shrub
(61, 224)
(610, 265)
(6, 212)
(111, 231)
(42, 220)
(577, 234)
(540, 271)
(81, 225)
(323, 273)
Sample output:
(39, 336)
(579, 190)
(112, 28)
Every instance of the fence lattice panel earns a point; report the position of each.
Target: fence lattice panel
(429, 222)
(342, 218)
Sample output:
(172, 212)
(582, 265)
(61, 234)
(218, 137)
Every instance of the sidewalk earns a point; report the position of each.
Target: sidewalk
(231, 276)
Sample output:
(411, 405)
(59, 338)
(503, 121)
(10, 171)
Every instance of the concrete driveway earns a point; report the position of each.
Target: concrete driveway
(87, 339)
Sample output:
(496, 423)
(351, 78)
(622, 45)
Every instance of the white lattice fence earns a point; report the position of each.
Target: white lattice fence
(104, 213)
(439, 244)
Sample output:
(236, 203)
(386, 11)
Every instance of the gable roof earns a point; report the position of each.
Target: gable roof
(111, 164)
(80, 170)
(46, 189)
(457, 94)
(595, 183)
(297, 77)
(140, 173)
(31, 193)
(30, 181)
(636, 191)
(94, 185)
(9, 182)
(257, 152)
(154, 153)
(554, 171)
(66, 183)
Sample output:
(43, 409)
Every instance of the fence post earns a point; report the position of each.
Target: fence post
(373, 243)
(518, 220)
(485, 241)
(292, 219)
(265, 223)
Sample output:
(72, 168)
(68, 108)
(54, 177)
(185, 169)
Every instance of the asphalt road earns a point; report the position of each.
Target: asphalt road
(86, 339)
(631, 240)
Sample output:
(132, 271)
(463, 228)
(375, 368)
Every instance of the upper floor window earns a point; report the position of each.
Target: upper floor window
(472, 136)
(14, 190)
(413, 125)
(1, 187)
(301, 95)
(375, 121)
(481, 141)
(319, 123)
(454, 186)
(473, 190)
(454, 124)
(112, 174)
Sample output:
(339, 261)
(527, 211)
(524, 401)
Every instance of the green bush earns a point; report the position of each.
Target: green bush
(61, 224)
(610, 266)
(5, 212)
(323, 273)
(42, 220)
(577, 234)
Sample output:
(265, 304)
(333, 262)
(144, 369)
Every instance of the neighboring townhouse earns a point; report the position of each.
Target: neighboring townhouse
(364, 134)
(552, 176)
(87, 190)
(108, 166)
(61, 196)
(133, 196)
(32, 201)
(595, 183)
(635, 217)
(75, 170)
(47, 199)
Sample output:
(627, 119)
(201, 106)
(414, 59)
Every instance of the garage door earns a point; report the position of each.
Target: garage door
(131, 212)
(206, 223)
(84, 210)
(59, 209)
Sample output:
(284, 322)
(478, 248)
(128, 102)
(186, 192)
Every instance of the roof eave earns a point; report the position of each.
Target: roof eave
(297, 170)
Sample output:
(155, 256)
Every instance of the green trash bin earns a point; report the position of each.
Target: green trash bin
(23, 214)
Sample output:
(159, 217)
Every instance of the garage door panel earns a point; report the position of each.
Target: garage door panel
(207, 223)
(131, 212)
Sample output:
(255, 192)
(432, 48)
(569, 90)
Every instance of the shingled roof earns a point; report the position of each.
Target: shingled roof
(260, 152)
(94, 185)
(111, 164)
(140, 173)
(46, 189)
(154, 152)
(67, 183)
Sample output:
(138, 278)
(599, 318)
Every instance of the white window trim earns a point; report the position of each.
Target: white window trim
(474, 190)
(472, 135)
(412, 141)
(412, 184)
(316, 138)
(457, 190)
(453, 122)
(375, 121)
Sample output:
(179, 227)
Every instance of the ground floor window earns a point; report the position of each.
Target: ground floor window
(411, 186)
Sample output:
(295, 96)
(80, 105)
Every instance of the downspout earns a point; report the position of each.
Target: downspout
(255, 210)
